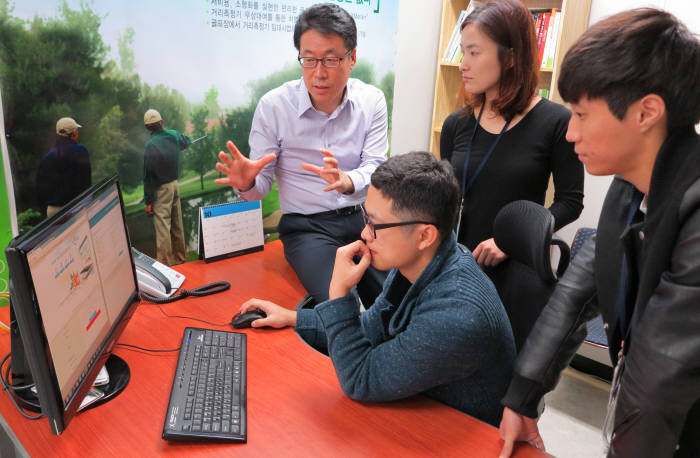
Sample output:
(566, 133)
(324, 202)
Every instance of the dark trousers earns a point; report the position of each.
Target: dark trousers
(310, 243)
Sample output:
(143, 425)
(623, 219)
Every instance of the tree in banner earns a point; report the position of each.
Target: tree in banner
(56, 67)
(49, 68)
(111, 144)
(211, 102)
(387, 86)
(200, 156)
(363, 71)
(261, 87)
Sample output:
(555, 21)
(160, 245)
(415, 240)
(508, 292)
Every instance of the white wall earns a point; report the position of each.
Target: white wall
(414, 86)
(416, 54)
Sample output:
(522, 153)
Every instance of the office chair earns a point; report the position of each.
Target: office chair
(523, 230)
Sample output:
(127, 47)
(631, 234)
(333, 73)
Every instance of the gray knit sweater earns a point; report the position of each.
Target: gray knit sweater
(446, 336)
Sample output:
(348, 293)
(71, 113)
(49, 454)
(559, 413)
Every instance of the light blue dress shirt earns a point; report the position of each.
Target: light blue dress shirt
(286, 124)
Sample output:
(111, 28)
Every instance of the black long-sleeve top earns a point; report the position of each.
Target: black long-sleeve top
(519, 167)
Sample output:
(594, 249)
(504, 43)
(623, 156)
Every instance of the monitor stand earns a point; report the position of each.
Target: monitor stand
(119, 375)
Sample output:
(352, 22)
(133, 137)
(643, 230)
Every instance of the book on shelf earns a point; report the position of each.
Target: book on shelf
(454, 39)
(556, 17)
(453, 52)
(542, 34)
(538, 24)
(547, 29)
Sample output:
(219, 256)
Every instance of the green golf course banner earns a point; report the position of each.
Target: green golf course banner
(6, 218)
(203, 64)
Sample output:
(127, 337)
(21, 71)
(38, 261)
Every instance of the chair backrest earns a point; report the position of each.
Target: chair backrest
(523, 230)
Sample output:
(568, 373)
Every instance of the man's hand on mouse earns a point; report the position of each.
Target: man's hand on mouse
(277, 316)
(347, 273)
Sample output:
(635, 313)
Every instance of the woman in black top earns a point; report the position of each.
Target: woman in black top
(526, 134)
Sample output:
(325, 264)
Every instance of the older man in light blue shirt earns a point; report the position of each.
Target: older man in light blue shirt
(321, 137)
(287, 125)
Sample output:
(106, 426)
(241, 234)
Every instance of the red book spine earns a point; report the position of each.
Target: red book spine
(543, 34)
(538, 30)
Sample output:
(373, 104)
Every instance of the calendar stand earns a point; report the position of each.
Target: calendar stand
(230, 229)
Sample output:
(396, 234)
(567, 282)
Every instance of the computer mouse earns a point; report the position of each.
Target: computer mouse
(243, 320)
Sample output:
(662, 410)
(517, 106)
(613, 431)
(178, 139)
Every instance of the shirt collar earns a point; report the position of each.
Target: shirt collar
(305, 99)
(446, 250)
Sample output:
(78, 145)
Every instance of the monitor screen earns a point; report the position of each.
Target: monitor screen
(73, 288)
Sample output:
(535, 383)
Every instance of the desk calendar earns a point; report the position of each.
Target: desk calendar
(230, 229)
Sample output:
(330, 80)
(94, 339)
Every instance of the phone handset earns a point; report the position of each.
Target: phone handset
(155, 278)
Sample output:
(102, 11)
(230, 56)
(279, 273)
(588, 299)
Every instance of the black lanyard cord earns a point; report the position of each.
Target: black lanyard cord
(466, 184)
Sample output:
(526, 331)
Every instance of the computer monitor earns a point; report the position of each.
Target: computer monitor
(72, 290)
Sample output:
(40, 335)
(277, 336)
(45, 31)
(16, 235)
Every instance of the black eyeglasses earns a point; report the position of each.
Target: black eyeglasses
(328, 62)
(373, 228)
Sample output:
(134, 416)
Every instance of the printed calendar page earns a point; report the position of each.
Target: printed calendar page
(230, 229)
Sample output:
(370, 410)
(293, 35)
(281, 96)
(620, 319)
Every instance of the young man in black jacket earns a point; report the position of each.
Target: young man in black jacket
(632, 81)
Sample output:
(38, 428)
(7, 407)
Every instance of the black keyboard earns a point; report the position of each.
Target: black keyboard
(208, 398)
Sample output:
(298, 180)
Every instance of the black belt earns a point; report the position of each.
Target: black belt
(345, 211)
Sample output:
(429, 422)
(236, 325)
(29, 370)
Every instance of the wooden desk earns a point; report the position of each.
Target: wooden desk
(295, 404)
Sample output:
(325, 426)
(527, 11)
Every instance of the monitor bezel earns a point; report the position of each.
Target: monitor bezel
(28, 316)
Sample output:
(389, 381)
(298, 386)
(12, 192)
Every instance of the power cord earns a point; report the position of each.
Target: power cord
(206, 290)
(191, 318)
(5, 380)
(129, 347)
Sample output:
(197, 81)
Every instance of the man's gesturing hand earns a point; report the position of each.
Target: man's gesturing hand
(239, 170)
(339, 180)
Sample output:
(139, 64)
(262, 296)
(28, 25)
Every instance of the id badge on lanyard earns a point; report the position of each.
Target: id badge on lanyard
(609, 423)
(467, 184)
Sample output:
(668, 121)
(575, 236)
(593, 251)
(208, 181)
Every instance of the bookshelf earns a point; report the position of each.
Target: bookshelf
(448, 78)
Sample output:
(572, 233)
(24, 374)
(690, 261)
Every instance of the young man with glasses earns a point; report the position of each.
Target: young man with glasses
(438, 328)
(321, 137)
